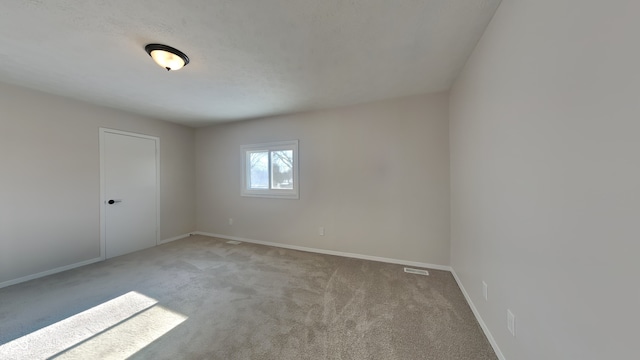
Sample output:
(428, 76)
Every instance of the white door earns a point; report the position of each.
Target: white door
(129, 182)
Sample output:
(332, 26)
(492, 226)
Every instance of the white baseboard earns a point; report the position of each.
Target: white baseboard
(329, 252)
(484, 326)
(49, 272)
(174, 238)
(72, 266)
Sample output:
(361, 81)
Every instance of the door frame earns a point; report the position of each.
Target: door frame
(103, 195)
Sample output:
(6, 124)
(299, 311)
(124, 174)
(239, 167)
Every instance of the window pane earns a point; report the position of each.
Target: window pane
(270, 170)
(258, 169)
(282, 169)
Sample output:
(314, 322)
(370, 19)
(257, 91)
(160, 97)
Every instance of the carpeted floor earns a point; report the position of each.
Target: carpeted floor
(206, 299)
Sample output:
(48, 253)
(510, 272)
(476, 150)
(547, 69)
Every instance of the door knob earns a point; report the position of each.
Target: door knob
(111, 202)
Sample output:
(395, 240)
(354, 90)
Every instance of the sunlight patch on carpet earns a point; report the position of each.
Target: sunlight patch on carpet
(129, 337)
(89, 326)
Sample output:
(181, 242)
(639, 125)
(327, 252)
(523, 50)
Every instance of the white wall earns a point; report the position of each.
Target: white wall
(50, 179)
(545, 168)
(376, 176)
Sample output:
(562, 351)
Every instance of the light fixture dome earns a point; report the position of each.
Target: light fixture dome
(167, 57)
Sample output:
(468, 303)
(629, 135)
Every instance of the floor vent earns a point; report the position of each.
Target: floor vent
(416, 271)
(234, 242)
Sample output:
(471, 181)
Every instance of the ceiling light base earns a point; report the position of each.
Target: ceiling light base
(167, 57)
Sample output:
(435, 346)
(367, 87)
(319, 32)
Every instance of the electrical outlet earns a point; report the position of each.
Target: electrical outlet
(321, 231)
(511, 322)
(230, 221)
(485, 291)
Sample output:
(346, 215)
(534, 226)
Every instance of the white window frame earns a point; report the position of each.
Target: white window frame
(270, 193)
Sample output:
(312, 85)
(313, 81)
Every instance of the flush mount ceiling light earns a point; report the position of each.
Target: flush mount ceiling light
(167, 57)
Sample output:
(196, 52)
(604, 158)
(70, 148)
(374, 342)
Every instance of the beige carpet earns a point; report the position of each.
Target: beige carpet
(200, 298)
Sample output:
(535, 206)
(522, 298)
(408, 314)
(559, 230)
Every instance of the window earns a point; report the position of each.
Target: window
(270, 170)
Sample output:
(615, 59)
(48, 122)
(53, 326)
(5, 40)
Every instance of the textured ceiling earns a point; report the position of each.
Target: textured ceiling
(249, 58)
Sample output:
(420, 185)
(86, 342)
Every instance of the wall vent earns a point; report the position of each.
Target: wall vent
(416, 271)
